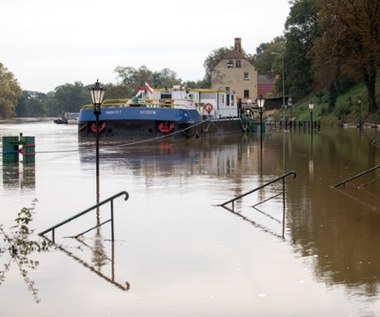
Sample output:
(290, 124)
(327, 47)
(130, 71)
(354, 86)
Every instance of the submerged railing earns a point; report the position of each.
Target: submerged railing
(95, 207)
(280, 178)
(344, 182)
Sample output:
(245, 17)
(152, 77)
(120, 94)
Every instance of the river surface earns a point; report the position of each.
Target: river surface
(314, 251)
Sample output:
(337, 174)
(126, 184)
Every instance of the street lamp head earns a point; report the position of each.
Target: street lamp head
(97, 94)
(311, 106)
(260, 102)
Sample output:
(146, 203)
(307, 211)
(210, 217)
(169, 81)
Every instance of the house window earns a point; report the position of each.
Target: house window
(230, 63)
(246, 93)
(246, 76)
(238, 63)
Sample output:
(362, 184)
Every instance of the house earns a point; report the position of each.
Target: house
(234, 72)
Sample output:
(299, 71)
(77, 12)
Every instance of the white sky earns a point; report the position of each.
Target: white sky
(48, 43)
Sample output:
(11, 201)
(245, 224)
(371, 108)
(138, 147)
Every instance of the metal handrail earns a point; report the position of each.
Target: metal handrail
(110, 199)
(356, 176)
(282, 177)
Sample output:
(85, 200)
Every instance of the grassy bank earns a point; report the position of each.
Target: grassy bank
(347, 109)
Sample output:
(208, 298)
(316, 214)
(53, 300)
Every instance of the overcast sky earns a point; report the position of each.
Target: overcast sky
(48, 43)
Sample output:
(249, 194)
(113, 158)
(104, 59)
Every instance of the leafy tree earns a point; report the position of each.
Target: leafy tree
(267, 54)
(301, 29)
(118, 91)
(32, 104)
(70, 97)
(212, 60)
(133, 78)
(9, 93)
(350, 43)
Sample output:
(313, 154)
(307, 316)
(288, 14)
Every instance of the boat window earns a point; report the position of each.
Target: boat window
(166, 96)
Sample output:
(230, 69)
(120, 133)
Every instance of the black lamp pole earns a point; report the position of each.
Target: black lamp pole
(311, 107)
(260, 104)
(97, 94)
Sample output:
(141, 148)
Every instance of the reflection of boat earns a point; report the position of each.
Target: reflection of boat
(176, 112)
(68, 118)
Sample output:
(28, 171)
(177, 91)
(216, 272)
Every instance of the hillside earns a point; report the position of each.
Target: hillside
(348, 109)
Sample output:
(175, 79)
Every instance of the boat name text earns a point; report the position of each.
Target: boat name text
(147, 112)
(113, 111)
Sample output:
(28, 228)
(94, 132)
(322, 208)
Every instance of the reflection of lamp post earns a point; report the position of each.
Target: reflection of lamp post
(260, 104)
(97, 94)
(360, 109)
(311, 107)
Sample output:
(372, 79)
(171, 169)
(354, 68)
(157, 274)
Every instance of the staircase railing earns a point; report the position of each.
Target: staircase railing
(95, 207)
(280, 178)
(344, 182)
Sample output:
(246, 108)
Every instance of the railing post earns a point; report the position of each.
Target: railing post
(112, 226)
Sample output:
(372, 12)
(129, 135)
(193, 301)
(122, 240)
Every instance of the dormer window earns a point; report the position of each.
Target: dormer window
(230, 63)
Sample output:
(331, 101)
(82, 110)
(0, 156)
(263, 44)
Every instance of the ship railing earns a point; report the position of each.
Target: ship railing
(109, 200)
(344, 182)
(281, 178)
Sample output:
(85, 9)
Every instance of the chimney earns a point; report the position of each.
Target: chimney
(238, 44)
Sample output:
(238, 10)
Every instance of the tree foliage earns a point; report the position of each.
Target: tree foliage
(70, 97)
(267, 54)
(9, 93)
(133, 78)
(349, 45)
(301, 29)
(32, 104)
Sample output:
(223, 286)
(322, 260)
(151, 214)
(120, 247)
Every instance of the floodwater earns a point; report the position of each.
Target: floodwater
(314, 251)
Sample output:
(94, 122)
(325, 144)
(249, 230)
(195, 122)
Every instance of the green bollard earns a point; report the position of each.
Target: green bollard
(10, 149)
(28, 149)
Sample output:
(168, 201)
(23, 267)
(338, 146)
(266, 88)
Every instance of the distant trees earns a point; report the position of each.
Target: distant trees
(32, 104)
(9, 93)
(133, 78)
(70, 98)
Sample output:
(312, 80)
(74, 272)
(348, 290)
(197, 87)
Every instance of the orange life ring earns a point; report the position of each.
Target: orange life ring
(208, 107)
(165, 127)
(102, 127)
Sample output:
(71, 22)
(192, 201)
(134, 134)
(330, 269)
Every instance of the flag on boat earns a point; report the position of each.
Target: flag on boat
(147, 86)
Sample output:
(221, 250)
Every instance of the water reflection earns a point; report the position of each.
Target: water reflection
(16, 175)
(325, 238)
(339, 234)
(99, 258)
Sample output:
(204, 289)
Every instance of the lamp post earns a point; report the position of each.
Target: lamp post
(260, 104)
(97, 93)
(311, 107)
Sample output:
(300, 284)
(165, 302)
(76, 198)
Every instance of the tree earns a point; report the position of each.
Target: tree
(10, 91)
(32, 104)
(301, 30)
(133, 78)
(267, 54)
(70, 97)
(350, 41)
(212, 60)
